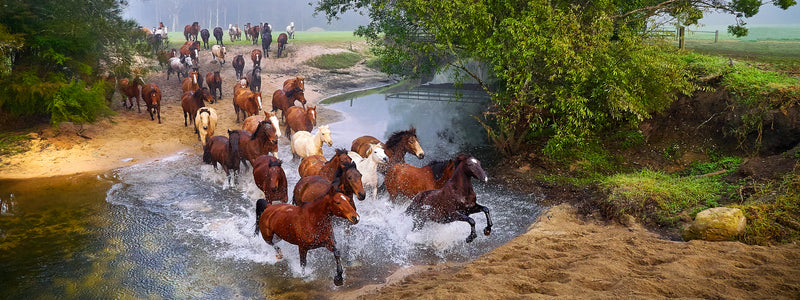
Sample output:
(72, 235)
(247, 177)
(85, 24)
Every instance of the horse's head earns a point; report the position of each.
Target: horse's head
(339, 205)
(301, 83)
(413, 143)
(233, 142)
(472, 167)
(273, 118)
(377, 154)
(275, 173)
(352, 178)
(325, 133)
(265, 128)
(257, 98)
(205, 94)
(311, 112)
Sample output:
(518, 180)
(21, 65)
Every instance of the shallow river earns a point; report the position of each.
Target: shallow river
(174, 228)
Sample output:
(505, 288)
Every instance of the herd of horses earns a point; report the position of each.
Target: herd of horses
(440, 191)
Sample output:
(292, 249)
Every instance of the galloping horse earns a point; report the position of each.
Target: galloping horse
(205, 123)
(223, 150)
(270, 178)
(290, 30)
(308, 226)
(298, 119)
(455, 201)
(130, 90)
(218, 53)
(318, 165)
(180, 66)
(218, 35)
(368, 167)
(399, 143)
(251, 123)
(282, 101)
(254, 34)
(247, 102)
(408, 180)
(346, 180)
(254, 79)
(266, 38)
(238, 65)
(151, 95)
(256, 56)
(191, 102)
(294, 84)
(214, 81)
(191, 83)
(305, 144)
(263, 141)
(204, 35)
(282, 41)
(190, 31)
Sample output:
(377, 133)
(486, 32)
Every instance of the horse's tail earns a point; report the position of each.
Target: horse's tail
(261, 206)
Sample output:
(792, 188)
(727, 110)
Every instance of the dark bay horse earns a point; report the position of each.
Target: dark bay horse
(214, 81)
(254, 79)
(346, 180)
(270, 178)
(318, 165)
(266, 39)
(238, 65)
(223, 150)
(204, 35)
(218, 35)
(282, 101)
(191, 102)
(263, 141)
(298, 119)
(455, 201)
(308, 226)
(247, 102)
(282, 40)
(408, 180)
(396, 147)
(151, 95)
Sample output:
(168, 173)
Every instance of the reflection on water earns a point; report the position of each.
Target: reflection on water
(173, 229)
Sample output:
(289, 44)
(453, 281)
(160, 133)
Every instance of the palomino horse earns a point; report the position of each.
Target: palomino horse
(130, 90)
(251, 123)
(263, 141)
(180, 66)
(266, 39)
(205, 123)
(455, 201)
(305, 144)
(308, 226)
(298, 119)
(204, 35)
(223, 150)
(247, 102)
(256, 56)
(290, 30)
(408, 180)
(214, 81)
(368, 167)
(282, 40)
(254, 79)
(346, 180)
(218, 53)
(218, 35)
(399, 143)
(190, 31)
(270, 178)
(318, 165)
(238, 65)
(151, 95)
(191, 83)
(282, 101)
(191, 102)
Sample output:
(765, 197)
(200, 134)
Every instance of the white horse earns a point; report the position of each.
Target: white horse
(305, 144)
(368, 167)
(179, 67)
(218, 53)
(206, 123)
(290, 30)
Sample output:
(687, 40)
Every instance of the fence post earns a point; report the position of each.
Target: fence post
(716, 35)
(681, 35)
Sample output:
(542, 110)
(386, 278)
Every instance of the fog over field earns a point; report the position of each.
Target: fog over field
(212, 13)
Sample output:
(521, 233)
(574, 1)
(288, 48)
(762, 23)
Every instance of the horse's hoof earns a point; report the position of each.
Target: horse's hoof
(487, 231)
(338, 280)
(471, 237)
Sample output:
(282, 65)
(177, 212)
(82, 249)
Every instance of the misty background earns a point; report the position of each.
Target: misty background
(212, 13)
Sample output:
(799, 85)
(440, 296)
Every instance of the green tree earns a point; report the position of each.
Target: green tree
(53, 51)
(566, 71)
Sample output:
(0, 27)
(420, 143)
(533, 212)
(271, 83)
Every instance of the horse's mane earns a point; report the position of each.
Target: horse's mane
(261, 127)
(233, 144)
(438, 167)
(340, 151)
(275, 162)
(396, 137)
(340, 170)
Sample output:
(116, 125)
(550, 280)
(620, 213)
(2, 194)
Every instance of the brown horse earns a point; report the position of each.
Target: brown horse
(238, 65)
(250, 124)
(191, 83)
(308, 226)
(240, 84)
(256, 56)
(346, 180)
(408, 180)
(283, 39)
(151, 95)
(396, 147)
(294, 84)
(282, 101)
(223, 150)
(218, 35)
(130, 90)
(204, 35)
(298, 119)
(254, 34)
(247, 102)
(455, 201)
(318, 165)
(190, 31)
(270, 178)
(261, 142)
(191, 102)
(214, 81)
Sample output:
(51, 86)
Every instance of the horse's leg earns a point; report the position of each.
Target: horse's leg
(338, 280)
(480, 208)
(462, 217)
(158, 109)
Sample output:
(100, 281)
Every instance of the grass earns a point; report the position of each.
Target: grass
(774, 220)
(341, 60)
(12, 142)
